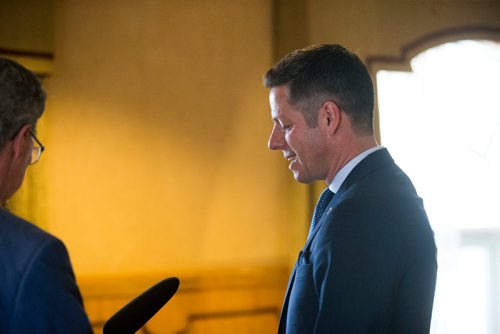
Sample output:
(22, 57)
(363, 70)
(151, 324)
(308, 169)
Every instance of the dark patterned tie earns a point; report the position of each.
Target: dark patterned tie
(320, 208)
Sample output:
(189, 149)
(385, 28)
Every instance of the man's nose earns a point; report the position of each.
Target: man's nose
(276, 140)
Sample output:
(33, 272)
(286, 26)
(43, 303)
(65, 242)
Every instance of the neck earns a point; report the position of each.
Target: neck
(348, 150)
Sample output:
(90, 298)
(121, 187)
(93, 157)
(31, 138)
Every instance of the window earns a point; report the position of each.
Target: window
(441, 123)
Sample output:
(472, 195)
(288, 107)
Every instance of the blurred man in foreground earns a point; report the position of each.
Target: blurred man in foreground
(38, 292)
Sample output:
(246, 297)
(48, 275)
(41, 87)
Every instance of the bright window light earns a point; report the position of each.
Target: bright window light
(441, 123)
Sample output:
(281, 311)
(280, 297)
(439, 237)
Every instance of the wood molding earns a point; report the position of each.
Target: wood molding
(411, 49)
(26, 53)
(208, 301)
(192, 319)
(41, 63)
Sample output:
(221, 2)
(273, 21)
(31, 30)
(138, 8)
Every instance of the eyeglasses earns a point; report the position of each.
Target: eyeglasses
(38, 148)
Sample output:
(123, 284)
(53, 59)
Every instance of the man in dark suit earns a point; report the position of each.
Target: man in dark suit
(38, 292)
(369, 264)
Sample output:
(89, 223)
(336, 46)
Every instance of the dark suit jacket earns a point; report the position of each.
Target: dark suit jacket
(38, 292)
(370, 265)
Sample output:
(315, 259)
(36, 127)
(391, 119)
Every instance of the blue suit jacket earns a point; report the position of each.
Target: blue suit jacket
(38, 292)
(370, 265)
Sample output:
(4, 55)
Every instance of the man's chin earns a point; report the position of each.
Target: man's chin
(301, 178)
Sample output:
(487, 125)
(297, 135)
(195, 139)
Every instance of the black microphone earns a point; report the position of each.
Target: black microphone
(131, 317)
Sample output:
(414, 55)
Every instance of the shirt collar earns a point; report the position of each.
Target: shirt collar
(346, 170)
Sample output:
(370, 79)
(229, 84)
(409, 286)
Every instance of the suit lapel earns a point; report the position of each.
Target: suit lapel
(284, 309)
(370, 163)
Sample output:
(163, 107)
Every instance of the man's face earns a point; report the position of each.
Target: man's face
(303, 146)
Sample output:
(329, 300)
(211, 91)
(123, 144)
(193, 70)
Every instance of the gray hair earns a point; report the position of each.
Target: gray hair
(22, 99)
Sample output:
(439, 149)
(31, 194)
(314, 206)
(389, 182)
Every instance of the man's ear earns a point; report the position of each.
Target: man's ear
(331, 115)
(20, 142)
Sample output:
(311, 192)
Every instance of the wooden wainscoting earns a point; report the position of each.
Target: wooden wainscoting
(235, 300)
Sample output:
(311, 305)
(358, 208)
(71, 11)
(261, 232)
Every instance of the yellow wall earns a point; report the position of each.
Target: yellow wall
(157, 126)
(157, 123)
(156, 131)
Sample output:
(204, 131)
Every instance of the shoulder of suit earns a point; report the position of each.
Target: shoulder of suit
(18, 236)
